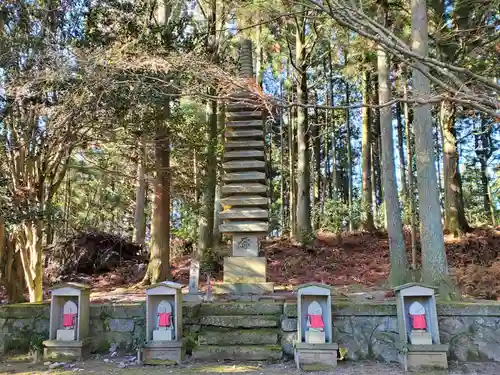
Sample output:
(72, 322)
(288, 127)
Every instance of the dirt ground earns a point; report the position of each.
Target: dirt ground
(113, 367)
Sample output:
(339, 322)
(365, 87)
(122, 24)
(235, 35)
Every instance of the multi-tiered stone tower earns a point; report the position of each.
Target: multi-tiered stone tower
(244, 190)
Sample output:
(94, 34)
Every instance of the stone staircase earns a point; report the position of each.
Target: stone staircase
(239, 332)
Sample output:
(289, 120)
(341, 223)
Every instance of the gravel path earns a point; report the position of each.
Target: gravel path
(285, 368)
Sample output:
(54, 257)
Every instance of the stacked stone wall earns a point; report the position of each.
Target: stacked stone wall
(368, 331)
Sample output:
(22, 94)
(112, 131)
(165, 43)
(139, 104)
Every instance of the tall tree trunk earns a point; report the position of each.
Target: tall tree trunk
(209, 172)
(333, 186)
(455, 222)
(140, 196)
(159, 259)
(366, 167)
(376, 151)
(411, 182)
(349, 155)
(316, 145)
(11, 267)
(399, 263)
(30, 248)
(434, 262)
(282, 162)
(303, 158)
(292, 201)
(402, 164)
(482, 143)
(221, 124)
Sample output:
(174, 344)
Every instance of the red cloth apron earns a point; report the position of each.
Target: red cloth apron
(316, 321)
(164, 320)
(419, 322)
(69, 320)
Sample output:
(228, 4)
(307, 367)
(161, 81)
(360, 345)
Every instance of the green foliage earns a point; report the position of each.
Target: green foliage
(185, 221)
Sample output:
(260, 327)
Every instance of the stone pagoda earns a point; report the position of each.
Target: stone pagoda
(244, 190)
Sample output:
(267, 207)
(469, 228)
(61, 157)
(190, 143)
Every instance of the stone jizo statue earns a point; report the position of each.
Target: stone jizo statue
(418, 334)
(165, 322)
(69, 320)
(315, 317)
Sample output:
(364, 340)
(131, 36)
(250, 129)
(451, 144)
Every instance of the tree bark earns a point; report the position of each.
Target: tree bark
(349, 155)
(398, 260)
(366, 168)
(434, 262)
(376, 152)
(159, 262)
(333, 186)
(292, 201)
(402, 164)
(316, 145)
(140, 196)
(303, 234)
(411, 182)
(455, 222)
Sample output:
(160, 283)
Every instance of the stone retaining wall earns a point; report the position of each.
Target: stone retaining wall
(366, 330)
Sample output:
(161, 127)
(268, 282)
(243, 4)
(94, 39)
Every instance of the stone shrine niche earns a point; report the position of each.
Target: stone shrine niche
(315, 344)
(419, 341)
(69, 322)
(164, 341)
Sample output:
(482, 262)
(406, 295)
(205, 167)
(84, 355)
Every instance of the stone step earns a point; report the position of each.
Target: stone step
(238, 353)
(241, 321)
(260, 336)
(244, 226)
(244, 308)
(231, 145)
(244, 188)
(244, 133)
(244, 213)
(244, 176)
(241, 154)
(244, 200)
(245, 124)
(258, 289)
(233, 116)
(257, 165)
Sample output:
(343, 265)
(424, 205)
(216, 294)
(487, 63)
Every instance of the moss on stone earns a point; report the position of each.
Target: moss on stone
(221, 336)
(241, 308)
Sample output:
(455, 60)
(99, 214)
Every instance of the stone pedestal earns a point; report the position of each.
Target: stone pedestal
(421, 356)
(164, 352)
(162, 335)
(319, 357)
(66, 334)
(245, 270)
(315, 337)
(59, 350)
(420, 338)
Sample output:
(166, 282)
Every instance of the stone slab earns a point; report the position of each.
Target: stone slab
(244, 133)
(315, 337)
(243, 288)
(241, 308)
(233, 145)
(315, 354)
(239, 321)
(244, 188)
(260, 336)
(289, 325)
(238, 353)
(244, 164)
(162, 335)
(56, 350)
(244, 154)
(244, 226)
(244, 114)
(245, 124)
(244, 213)
(243, 176)
(419, 360)
(245, 270)
(245, 245)
(66, 334)
(164, 352)
(244, 200)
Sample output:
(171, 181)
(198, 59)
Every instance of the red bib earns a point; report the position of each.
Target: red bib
(164, 320)
(419, 322)
(316, 321)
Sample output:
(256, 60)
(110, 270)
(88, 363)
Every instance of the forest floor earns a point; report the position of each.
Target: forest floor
(118, 366)
(357, 265)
